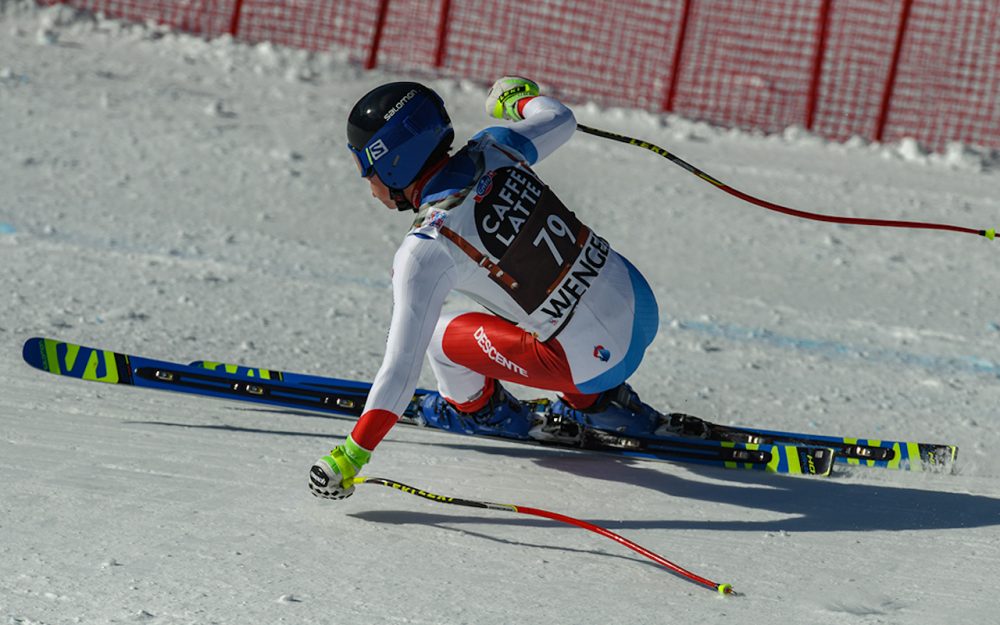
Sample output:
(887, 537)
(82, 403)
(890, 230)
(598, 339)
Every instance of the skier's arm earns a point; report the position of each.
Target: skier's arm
(423, 275)
(544, 123)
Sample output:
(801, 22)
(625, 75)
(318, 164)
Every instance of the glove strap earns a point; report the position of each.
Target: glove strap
(356, 453)
(345, 467)
(349, 458)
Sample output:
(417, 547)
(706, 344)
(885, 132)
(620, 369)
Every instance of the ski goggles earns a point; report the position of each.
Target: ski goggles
(364, 160)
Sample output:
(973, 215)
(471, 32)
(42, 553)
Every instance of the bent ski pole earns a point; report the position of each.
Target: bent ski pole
(857, 221)
(722, 589)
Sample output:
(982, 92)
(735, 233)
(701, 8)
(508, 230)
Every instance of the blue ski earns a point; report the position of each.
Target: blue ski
(332, 395)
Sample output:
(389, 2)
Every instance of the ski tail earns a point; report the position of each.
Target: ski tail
(854, 451)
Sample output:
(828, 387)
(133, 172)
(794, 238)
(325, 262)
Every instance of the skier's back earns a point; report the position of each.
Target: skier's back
(566, 312)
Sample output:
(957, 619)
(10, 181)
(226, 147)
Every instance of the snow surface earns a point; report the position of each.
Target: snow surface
(186, 199)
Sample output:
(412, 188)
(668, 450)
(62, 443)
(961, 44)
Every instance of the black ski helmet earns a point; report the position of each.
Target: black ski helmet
(396, 129)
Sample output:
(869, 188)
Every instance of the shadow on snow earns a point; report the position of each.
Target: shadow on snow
(808, 504)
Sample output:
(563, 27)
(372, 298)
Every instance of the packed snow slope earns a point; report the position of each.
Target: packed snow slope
(185, 199)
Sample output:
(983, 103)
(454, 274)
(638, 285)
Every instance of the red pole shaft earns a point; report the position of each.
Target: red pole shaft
(555, 516)
(746, 197)
(724, 589)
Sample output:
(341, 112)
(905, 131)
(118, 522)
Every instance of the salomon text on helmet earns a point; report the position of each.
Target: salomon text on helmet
(396, 129)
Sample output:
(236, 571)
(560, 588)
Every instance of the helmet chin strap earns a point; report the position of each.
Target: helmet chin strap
(398, 196)
(402, 202)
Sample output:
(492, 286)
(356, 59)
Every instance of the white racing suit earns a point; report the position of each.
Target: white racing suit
(566, 312)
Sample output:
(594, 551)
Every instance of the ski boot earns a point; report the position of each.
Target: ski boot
(504, 415)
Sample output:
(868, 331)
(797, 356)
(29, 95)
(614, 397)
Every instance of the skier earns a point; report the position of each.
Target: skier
(567, 313)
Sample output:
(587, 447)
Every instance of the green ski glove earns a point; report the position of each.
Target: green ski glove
(332, 476)
(505, 95)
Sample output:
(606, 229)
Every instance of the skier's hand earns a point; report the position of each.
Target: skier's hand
(332, 476)
(505, 96)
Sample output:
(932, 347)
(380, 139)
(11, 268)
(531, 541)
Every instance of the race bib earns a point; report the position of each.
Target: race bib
(536, 239)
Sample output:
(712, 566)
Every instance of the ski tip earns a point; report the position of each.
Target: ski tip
(726, 589)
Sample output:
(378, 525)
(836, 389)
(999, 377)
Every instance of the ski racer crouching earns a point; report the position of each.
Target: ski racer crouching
(567, 313)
